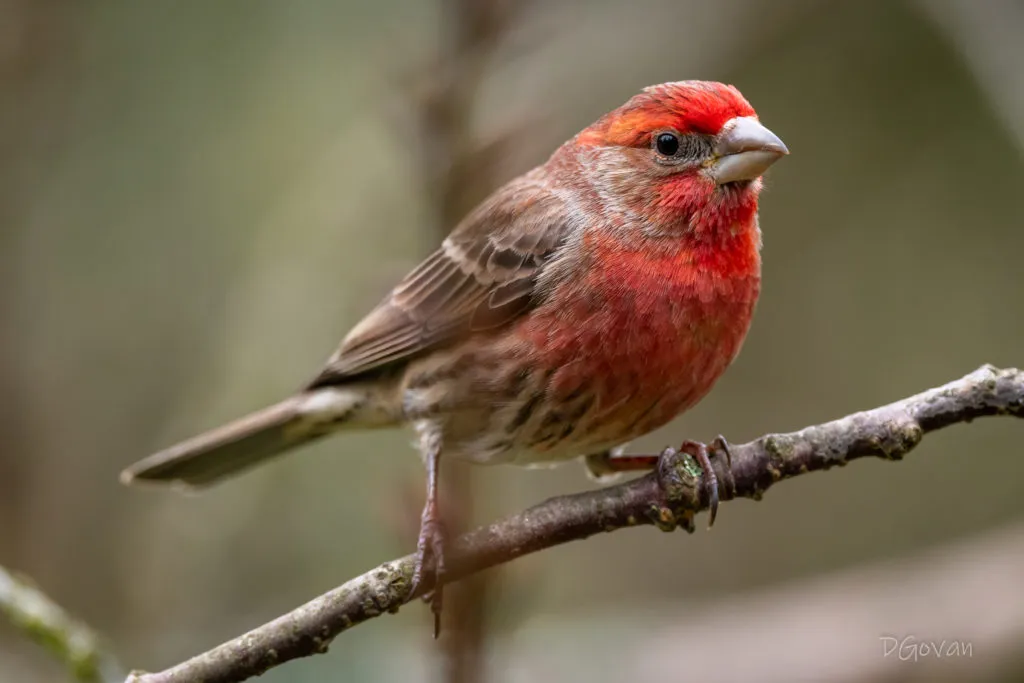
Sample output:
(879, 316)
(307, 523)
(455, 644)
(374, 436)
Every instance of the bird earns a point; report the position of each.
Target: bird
(583, 304)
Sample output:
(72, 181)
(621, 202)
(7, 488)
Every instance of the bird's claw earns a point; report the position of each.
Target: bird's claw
(720, 445)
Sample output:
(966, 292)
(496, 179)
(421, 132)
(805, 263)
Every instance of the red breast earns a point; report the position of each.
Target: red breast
(647, 330)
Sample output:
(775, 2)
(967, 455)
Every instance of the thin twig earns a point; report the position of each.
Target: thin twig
(668, 498)
(457, 174)
(44, 621)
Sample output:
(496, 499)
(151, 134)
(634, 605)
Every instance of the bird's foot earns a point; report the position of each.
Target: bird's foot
(429, 568)
(702, 453)
(608, 463)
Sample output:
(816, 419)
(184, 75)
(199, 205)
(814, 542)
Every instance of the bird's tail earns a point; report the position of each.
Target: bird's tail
(248, 441)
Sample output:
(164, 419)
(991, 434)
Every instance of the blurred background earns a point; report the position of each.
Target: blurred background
(198, 199)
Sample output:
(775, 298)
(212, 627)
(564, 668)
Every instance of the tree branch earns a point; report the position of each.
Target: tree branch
(667, 498)
(43, 620)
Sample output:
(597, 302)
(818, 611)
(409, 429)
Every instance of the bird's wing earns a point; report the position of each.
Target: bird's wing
(483, 276)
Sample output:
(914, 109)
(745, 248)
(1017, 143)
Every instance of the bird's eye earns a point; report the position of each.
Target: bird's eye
(667, 144)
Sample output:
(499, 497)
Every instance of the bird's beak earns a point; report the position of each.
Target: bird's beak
(744, 150)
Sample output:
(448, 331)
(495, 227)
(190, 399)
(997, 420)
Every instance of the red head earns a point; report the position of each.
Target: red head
(675, 148)
(686, 107)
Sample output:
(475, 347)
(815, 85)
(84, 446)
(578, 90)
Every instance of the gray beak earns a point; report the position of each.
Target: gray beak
(744, 150)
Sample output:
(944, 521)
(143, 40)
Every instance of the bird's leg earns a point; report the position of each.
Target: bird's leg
(608, 463)
(430, 546)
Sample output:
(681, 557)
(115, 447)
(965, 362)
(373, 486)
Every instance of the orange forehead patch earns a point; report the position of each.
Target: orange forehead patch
(688, 107)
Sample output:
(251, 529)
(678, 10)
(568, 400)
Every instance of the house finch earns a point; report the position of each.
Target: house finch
(581, 305)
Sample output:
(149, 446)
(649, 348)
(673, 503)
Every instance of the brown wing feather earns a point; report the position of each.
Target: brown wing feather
(482, 277)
